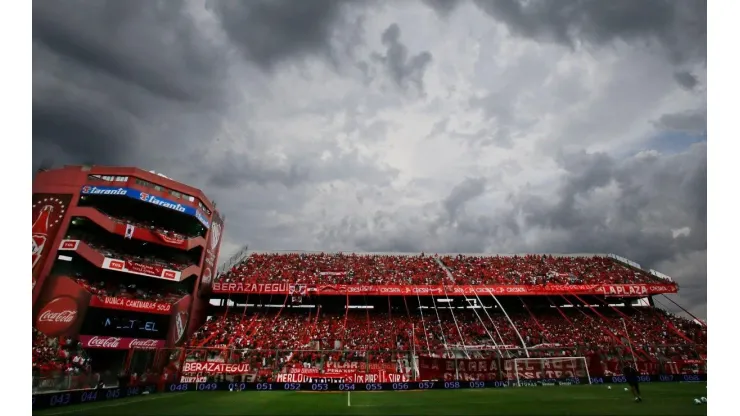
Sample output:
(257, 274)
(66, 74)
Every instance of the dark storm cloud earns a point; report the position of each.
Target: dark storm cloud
(461, 194)
(602, 205)
(678, 26)
(403, 69)
(269, 31)
(686, 79)
(104, 72)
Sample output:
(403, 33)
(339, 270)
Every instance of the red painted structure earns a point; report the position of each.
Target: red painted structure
(60, 302)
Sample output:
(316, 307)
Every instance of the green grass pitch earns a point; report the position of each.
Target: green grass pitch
(659, 399)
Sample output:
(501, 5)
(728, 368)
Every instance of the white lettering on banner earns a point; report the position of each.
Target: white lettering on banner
(630, 290)
(165, 204)
(94, 190)
(136, 304)
(390, 290)
(66, 316)
(144, 343)
(215, 368)
(196, 379)
(515, 289)
(254, 287)
(103, 342)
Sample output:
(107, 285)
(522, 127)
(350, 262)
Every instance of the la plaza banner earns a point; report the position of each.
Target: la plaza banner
(636, 290)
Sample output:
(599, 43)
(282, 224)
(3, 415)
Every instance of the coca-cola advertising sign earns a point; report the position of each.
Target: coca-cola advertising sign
(57, 316)
(119, 343)
(47, 213)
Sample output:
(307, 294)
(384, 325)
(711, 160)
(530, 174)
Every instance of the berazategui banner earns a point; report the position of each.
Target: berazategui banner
(637, 290)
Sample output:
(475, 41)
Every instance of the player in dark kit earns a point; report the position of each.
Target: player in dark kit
(631, 375)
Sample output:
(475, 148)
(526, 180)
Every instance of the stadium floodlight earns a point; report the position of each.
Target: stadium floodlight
(568, 366)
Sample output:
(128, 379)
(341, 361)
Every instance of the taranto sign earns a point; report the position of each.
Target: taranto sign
(637, 290)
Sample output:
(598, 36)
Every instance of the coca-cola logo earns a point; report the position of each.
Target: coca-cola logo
(103, 342)
(57, 316)
(143, 343)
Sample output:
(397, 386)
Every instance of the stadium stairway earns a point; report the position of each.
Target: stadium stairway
(447, 271)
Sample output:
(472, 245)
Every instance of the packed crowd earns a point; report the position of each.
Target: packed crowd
(56, 355)
(140, 254)
(149, 225)
(370, 269)
(130, 291)
(535, 269)
(649, 332)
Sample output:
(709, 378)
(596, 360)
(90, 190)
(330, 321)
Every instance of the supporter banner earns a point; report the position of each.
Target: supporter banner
(342, 377)
(145, 197)
(141, 269)
(136, 305)
(497, 369)
(171, 239)
(118, 343)
(195, 367)
(638, 290)
(196, 379)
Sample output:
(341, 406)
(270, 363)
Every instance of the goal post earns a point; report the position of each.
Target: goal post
(551, 368)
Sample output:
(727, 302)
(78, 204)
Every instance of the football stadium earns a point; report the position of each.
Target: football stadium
(134, 313)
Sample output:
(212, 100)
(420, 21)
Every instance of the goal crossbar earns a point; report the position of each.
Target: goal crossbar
(551, 367)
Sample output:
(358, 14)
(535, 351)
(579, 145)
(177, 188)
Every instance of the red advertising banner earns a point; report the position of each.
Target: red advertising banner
(135, 305)
(63, 307)
(129, 266)
(171, 239)
(118, 343)
(637, 290)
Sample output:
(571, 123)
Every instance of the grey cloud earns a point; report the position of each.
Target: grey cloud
(109, 76)
(269, 31)
(693, 122)
(686, 79)
(679, 27)
(601, 205)
(403, 69)
(461, 194)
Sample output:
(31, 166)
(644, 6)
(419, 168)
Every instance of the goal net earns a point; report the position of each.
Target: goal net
(551, 368)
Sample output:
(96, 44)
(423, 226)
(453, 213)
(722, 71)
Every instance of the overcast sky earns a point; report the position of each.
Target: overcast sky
(436, 126)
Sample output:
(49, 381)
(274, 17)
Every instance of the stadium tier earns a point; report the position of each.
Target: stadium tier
(125, 291)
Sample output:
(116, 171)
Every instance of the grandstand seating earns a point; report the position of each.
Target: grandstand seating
(425, 269)
(652, 332)
(121, 290)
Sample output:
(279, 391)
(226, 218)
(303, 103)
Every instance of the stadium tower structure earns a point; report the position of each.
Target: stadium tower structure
(120, 257)
(387, 317)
